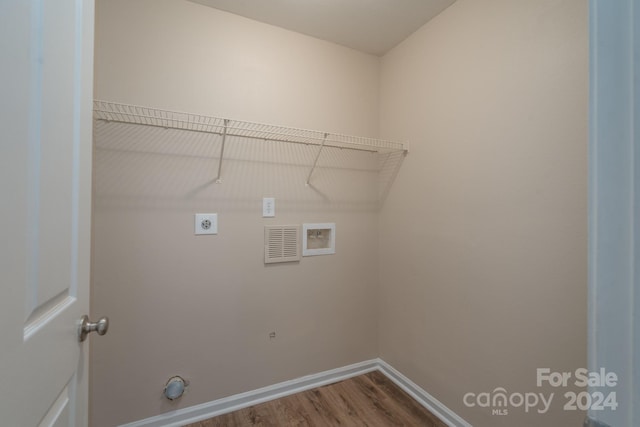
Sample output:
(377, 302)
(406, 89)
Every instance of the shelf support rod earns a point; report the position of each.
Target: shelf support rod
(315, 162)
(224, 139)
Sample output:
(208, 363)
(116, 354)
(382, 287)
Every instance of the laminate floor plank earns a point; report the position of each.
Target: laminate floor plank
(369, 400)
(370, 403)
(406, 402)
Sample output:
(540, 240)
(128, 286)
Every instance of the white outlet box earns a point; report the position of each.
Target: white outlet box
(268, 207)
(206, 223)
(319, 239)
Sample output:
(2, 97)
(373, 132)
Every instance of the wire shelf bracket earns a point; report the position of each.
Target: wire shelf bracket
(315, 161)
(224, 139)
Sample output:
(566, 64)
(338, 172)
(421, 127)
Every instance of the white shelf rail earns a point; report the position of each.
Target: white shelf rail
(134, 114)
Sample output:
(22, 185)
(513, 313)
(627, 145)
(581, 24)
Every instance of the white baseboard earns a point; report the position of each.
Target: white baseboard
(425, 399)
(225, 405)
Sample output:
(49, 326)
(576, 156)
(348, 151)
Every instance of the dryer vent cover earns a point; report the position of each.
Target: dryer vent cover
(281, 243)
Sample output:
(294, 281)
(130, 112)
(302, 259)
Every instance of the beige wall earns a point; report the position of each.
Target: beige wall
(184, 56)
(203, 307)
(483, 244)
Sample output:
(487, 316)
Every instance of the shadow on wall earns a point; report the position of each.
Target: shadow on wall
(144, 167)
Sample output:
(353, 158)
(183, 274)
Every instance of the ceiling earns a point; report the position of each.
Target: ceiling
(371, 26)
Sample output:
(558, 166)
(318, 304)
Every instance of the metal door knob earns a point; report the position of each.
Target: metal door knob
(101, 327)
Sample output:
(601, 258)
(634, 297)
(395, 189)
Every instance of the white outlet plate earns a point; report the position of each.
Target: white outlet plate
(268, 207)
(206, 223)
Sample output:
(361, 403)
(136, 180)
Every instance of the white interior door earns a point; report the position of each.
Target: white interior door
(46, 77)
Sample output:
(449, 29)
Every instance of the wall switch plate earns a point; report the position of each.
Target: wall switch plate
(206, 223)
(268, 207)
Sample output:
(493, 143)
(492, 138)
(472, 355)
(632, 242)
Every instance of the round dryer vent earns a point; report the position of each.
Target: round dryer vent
(175, 387)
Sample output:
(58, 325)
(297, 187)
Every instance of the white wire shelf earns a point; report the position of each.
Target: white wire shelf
(110, 111)
(147, 116)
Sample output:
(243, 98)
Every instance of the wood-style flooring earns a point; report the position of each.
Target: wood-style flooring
(366, 400)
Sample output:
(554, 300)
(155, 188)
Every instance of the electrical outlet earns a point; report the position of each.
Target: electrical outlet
(268, 207)
(206, 224)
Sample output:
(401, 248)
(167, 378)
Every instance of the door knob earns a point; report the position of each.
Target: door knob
(101, 327)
